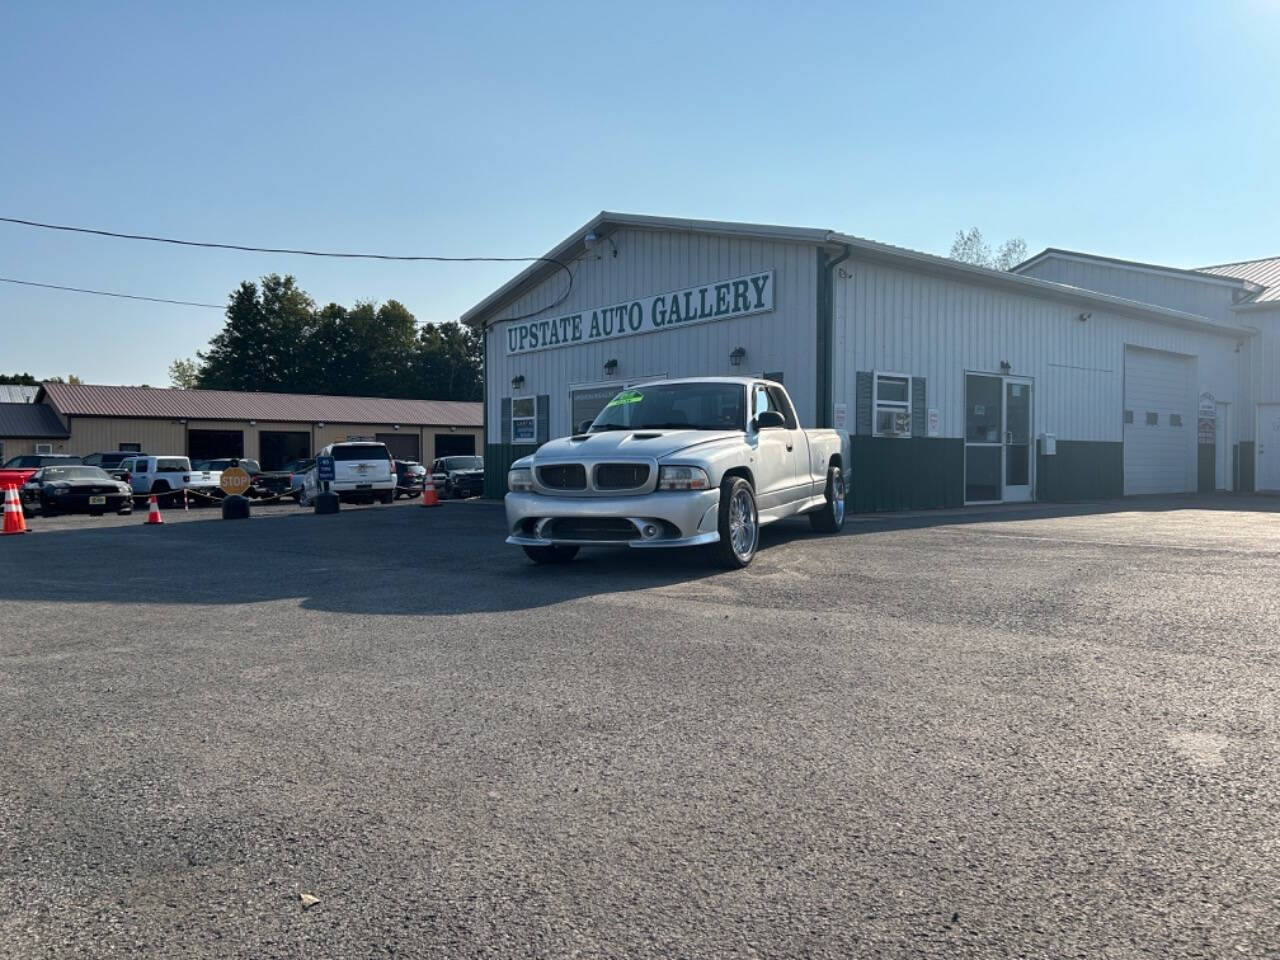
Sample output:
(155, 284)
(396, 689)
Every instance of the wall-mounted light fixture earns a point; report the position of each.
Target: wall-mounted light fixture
(453, 429)
(517, 381)
(320, 423)
(592, 238)
(610, 368)
(1005, 366)
(1085, 317)
(739, 354)
(395, 426)
(253, 423)
(1239, 344)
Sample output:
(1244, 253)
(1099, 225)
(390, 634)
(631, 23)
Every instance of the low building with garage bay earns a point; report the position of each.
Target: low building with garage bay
(1069, 378)
(272, 428)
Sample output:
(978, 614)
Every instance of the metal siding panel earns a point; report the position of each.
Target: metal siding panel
(651, 262)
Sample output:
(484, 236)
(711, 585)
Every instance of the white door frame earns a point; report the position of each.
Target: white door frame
(1022, 494)
(1260, 442)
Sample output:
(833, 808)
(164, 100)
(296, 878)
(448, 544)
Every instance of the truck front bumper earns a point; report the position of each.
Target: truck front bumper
(666, 519)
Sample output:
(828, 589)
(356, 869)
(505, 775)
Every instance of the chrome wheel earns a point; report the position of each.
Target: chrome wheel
(742, 524)
(838, 493)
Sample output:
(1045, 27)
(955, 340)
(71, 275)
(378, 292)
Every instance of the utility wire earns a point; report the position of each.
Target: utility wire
(107, 293)
(307, 253)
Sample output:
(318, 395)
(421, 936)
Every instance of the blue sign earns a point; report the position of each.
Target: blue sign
(324, 469)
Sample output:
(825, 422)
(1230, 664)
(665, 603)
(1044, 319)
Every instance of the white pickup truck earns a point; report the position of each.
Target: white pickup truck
(166, 477)
(678, 463)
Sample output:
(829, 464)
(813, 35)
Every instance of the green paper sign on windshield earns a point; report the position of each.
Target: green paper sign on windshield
(627, 396)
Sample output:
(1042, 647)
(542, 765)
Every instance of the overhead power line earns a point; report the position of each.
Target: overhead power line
(108, 293)
(249, 248)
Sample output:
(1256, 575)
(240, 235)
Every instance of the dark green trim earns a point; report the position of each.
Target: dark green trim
(1080, 470)
(1235, 466)
(1248, 461)
(498, 458)
(1206, 468)
(912, 473)
(484, 387)
(824, 391)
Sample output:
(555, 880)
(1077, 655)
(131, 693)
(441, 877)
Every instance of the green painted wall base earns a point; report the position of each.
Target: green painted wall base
(1246, 461)
(1080, 470)
(1206, 468)
(498, 458)
(915, 473)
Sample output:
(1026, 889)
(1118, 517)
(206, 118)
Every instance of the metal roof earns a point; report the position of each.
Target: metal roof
(17, 393)
(30, 420)
(1193, 274)
(606, 222)
(1265, 273)
(92, 400)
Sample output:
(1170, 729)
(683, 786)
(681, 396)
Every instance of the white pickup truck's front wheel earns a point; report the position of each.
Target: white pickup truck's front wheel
(739, 524)
(551, 553)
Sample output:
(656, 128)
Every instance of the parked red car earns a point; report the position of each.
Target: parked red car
(18, 470)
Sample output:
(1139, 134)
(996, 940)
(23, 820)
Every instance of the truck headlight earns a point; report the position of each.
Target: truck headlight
(520, 480)
(682, 478)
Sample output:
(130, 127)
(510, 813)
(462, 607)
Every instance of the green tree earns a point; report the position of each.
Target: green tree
(19, 379)
(274, 338)
(971, 247)
(184, 374)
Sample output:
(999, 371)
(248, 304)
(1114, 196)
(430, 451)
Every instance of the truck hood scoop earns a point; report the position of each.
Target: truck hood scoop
(642, 443)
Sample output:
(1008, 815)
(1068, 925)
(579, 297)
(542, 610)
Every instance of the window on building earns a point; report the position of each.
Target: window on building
(1153, 419)
(1128, 416)
(524, 420)
(891, 399)
(130, 448)
(44, 448)
(1175, 419)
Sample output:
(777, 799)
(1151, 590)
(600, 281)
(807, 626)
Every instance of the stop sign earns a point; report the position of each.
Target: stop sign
(234, 482)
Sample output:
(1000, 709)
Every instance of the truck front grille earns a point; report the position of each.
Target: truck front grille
(621, 476)
(563, 476)
(590, 528)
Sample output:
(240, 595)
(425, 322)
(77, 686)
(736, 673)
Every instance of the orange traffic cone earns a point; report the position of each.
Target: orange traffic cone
(429, 498)
(154, 515)
(14, 522)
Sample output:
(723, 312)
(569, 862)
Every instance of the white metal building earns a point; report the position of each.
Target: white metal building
(957, 384)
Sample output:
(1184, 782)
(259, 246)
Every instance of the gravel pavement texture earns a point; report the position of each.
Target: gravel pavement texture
(1033, 732)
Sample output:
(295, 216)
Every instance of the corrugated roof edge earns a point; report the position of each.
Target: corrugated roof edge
(1009, 279)
(50, 390)
(1189, 274)
(1060, 291)
(573, 247)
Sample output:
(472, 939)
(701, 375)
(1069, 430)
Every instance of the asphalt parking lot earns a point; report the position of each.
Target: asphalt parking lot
(1039, 732)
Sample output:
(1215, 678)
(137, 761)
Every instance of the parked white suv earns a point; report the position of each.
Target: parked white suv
(363, 470)
(168, 476)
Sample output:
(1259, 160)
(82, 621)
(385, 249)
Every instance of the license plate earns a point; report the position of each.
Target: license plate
(364, 486)
(97, 501)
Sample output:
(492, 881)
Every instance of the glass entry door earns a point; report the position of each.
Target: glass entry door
(1017, 439)
(997, 438)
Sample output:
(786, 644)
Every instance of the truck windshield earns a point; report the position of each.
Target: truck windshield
(668, 406)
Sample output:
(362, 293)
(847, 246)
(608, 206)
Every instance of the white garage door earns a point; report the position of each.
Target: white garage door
(1159, 424)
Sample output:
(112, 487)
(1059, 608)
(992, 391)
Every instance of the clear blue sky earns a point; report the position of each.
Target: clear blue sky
(1143, 130)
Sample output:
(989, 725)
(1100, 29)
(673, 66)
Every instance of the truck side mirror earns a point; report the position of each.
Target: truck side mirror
(770, 420)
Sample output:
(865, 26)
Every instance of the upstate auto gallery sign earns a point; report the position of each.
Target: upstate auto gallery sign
(723, 300)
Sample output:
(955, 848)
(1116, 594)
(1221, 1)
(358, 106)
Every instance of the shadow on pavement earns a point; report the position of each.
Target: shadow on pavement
(409, 561)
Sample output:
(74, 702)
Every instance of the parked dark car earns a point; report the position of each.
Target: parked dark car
(74, 489)
(411, 477)
(460, 476)
(110, 461)
(262, 483)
